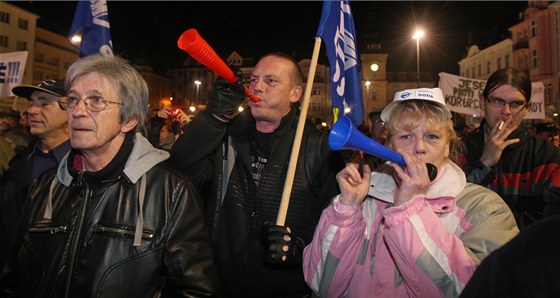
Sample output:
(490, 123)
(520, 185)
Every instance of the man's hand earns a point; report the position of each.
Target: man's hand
(226, 98)
(281, 248)
(496, 142)
(164, 113)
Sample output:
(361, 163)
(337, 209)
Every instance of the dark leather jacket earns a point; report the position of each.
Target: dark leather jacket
(208, 148)
(14, 188)
(84, 247)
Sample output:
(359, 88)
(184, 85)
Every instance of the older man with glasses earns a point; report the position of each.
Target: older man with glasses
(503, 156)
(113, 220)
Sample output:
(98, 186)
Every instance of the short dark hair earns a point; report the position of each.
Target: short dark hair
(374, 114)
(509, 76)
(9, 113)
(297, 76)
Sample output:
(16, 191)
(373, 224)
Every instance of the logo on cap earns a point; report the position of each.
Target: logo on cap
(405, 94)
(428, 95)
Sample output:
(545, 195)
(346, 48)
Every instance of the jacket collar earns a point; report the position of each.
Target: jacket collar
(449, 182)
(142, 158)
(245, 120)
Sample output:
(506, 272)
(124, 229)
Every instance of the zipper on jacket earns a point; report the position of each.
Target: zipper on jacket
(52, 230)
(85, 193)
(120, 231)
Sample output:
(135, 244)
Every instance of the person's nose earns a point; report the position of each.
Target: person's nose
(33, 110)
(506, 109)
(256, 86)
(79, 109)
(420, 147)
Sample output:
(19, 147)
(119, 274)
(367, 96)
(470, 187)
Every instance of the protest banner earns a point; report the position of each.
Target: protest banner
(463, 95)
(12, 66)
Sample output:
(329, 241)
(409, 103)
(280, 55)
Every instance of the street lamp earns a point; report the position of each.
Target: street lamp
(367, 89)
(197, 83)
(417, 35)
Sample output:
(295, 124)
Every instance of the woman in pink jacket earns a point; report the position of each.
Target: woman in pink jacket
(395, 233)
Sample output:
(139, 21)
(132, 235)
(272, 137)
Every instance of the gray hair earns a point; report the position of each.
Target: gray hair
(133, 90)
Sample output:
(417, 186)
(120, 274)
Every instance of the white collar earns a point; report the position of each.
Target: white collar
(449, 182)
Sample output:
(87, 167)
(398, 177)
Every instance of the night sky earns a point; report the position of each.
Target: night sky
(151, 29)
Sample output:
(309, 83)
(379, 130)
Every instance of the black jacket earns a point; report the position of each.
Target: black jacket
(84, 247)
(202, 151)
(527, 176)
(526, 266)
(13, 190)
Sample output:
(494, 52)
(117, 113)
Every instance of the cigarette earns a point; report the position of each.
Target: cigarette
(501, 125)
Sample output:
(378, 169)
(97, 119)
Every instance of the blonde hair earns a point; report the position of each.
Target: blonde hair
(409, 114)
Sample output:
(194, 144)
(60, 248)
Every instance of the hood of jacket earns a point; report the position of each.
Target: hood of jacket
(142, 158)
(450, 181)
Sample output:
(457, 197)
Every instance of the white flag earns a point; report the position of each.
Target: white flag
(12, 66)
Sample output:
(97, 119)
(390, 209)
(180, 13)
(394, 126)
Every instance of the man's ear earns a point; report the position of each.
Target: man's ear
(296, 93)
(129, 125)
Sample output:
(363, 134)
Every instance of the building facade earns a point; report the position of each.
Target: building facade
(52, 56)
(535, 50)
(480, 64)
(18, 33)
(49, 54)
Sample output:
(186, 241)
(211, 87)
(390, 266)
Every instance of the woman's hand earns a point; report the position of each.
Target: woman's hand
(353, 186)
(412, 180)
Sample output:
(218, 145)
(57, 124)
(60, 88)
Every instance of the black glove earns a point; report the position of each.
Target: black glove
(226, 98)
(273, 238)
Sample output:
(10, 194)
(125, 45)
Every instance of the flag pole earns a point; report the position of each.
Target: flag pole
(285, 202)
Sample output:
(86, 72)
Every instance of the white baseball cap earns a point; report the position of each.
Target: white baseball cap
(429, 94)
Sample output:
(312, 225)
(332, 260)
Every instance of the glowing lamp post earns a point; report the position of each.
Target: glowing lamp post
(417, 35)
(197, 83)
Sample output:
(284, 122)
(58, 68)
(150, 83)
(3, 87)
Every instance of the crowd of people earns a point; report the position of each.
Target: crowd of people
(98, 198)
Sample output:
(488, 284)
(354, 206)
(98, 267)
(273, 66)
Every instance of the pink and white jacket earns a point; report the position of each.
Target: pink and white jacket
(428, 247)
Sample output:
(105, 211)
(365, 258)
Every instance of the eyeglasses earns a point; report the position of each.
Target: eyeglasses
(514, 104)
(92, 103)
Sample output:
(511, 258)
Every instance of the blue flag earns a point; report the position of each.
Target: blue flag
(91, 24)
(337, 31)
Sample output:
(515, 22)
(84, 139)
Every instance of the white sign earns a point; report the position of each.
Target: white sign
(463, 95)
(12, 66)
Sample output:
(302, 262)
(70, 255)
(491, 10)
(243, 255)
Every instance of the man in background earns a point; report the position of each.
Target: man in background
(549, 132)
(50, 143)
(9, 129)
(503, 156)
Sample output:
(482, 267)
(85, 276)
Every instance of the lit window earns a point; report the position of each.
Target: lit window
(533, 28)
